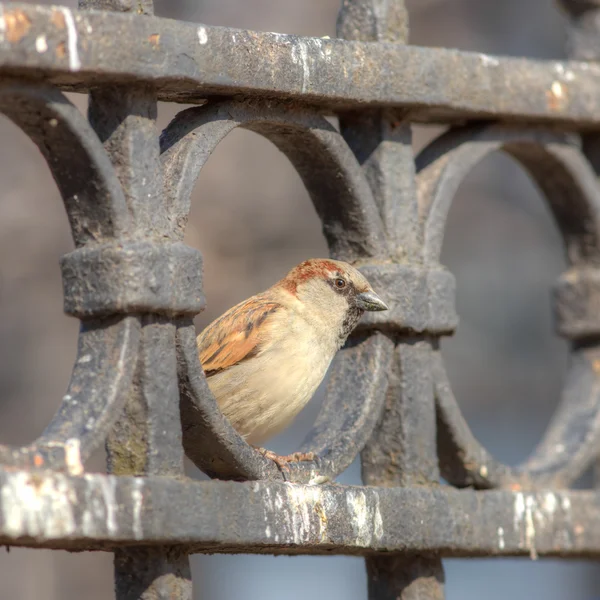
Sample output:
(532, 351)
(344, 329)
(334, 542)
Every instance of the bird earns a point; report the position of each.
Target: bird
(265, 357)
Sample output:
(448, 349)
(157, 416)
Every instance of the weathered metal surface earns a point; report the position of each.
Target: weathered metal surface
(555, 161)
(105, 512)
(102, 374)
(137, 381)
(97, 212)
(187, 62)
(340, 193)
(133, 277)
(156, 281)
(402, 449)
(89, 187)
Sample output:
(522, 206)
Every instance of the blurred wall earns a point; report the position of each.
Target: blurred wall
(252, 220)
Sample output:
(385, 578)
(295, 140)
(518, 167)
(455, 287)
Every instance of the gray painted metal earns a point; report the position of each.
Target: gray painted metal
(137, 383)
(187, 63)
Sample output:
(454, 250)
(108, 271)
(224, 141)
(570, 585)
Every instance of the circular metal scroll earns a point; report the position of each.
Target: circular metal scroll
(107, 350)
(569, 184)
(354, 232)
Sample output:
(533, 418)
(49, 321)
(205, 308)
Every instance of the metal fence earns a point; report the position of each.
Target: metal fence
(137, 381)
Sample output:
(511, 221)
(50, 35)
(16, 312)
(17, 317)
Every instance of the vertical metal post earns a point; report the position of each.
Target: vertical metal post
(147, 438)
(582, 32)
(583, 43)
(402, 450)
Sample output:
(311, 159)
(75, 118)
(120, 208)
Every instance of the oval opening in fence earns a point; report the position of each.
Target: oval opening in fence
(253, 220)
(38, 340)
(505, 364)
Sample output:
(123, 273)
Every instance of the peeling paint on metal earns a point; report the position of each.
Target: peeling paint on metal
(2, 23)
(533, 511)
(501, 543)
(300, 503)
(360, 517)
(488, 61)
(550, 503)
(108, 488)
(557, 89)
(366, 519)
(319, 480)
(95, 508)
(74, 61)
(303, 51)
(530, 527)
(41, 45)
(557, 96)
(518, 511)
(564, 72)
(137, 495)
(38, 506)
(523, 522)
(73, 456)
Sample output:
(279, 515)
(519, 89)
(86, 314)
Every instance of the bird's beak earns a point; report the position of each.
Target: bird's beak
(370, 301)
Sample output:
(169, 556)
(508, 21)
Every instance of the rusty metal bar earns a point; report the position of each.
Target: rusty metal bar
(146, 439)
(188, 62)
(105, 512)
(402, 449)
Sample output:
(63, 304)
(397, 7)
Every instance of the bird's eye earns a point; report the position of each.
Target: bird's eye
(340, 283)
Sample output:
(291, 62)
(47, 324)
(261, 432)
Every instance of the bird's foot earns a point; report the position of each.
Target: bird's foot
(283, 461)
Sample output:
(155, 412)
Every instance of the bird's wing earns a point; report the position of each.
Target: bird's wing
(235, 336)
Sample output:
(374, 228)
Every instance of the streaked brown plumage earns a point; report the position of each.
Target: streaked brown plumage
(265, 357)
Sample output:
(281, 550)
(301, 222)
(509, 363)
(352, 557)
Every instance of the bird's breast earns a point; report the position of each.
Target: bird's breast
(262, 395)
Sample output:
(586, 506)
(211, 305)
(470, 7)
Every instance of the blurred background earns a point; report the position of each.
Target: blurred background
(253, 220)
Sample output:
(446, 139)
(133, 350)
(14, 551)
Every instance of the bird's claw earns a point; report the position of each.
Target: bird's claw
(283, 461)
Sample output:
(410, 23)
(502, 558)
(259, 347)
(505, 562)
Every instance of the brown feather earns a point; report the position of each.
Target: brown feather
(236, 335)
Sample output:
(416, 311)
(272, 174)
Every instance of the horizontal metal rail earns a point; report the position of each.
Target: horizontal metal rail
(188, 63)
(100, 512)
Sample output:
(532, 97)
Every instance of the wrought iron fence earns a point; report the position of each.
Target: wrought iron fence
(135, 286)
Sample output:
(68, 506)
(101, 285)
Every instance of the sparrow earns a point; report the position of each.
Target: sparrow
(265, 357)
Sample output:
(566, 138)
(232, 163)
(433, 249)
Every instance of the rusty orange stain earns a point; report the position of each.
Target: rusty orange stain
(58, 19)
(321, 514)
(556, 96)
(515, 487)
(596, 365)
(36, 481)
(38, 460)
(551, 101)
(154, 39)
(17, 25)
(61, 50)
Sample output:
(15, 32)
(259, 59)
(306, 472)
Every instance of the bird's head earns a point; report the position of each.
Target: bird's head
(334, 292)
